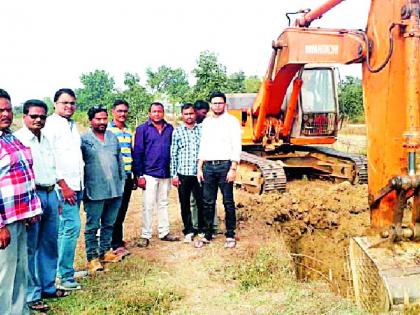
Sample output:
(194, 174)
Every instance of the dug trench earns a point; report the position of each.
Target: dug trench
(317, 219)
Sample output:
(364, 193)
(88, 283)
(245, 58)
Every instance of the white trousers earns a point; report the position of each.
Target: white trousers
(155, 195)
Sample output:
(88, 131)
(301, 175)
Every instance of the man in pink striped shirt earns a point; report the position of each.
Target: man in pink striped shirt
(19, 205)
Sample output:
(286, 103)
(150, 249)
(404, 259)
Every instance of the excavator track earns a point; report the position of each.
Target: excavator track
(360, 161)
(261, 174)
(258, 174)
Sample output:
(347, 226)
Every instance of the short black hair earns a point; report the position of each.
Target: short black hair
(217, 94)
(96, 109)
(119, 102)
(186, 106)
(201, 104)
(63, 91)
(156, 104)
(4, 94)
(34, 103)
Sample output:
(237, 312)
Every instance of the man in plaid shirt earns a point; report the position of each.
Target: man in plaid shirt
(19, 204)
(184, 153)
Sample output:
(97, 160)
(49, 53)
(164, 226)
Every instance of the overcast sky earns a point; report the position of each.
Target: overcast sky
(48, 44)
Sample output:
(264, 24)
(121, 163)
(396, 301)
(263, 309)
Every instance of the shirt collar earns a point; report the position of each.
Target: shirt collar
(186, 128)
(29, 135)
(112, 124)
(150, 123)
(5, 131)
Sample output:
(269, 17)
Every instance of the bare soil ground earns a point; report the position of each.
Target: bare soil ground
(303, 232)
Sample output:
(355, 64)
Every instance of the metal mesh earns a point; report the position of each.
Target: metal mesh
(369, 290)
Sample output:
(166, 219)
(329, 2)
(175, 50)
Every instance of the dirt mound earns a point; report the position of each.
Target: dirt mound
(306, 206)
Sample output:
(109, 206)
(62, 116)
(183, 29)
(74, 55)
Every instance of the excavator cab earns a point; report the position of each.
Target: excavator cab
(318, 110)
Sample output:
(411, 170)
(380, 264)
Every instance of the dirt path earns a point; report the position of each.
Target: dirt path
(200, 273)
(205, 277)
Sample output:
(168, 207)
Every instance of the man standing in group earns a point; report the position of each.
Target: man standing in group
(151, 158)
(119, 128)
(42, 236)
(19, 204)
(201, 109)
(184, 156)
(64, 138)
(219, 155)
(104, 184)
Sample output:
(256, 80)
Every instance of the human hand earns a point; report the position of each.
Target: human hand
(34, 219)
(68, 195)
(141, 182)
(4, 237)
(200, 176)
(231, 176)
(176, 181)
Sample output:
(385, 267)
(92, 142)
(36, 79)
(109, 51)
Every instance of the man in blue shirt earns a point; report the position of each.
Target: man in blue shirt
(151, 158)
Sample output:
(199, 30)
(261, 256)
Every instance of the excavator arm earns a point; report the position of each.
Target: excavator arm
(294, 48)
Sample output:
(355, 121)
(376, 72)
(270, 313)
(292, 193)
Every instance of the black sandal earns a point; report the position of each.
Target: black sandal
(56, 295)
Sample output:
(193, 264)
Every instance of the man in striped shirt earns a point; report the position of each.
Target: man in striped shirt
(125, 137)
(19, 204)
(184, 155)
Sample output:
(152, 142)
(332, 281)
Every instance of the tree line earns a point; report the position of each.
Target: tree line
(172, 85)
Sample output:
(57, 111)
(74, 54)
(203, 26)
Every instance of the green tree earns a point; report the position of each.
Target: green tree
(47, 100)
(137, 96)
(171, 82)
(350, 98)
(236, 82)
(210, 74)
(98, 88)
(252, 84)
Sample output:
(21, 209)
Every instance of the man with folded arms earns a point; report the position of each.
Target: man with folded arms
(19, 205)
(42, 236)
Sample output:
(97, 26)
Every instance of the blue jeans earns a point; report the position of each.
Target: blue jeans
(43, 248)
(13, 271)
(99, 214)
(68, 232)
(214, 178)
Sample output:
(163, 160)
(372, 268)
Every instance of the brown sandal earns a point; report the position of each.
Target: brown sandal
(38, 306)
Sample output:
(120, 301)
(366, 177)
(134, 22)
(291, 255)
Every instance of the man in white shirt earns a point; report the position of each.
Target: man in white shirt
(41, 236)
(219, 155)
(64, 138)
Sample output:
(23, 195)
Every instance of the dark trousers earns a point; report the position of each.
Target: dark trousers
(117, 233)
(214, 178)
(188, 185)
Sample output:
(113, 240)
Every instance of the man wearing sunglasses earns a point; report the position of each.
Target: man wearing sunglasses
(42, 236)
(64, 138)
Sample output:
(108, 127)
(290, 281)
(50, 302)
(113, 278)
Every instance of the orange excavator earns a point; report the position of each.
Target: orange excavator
(287, 119)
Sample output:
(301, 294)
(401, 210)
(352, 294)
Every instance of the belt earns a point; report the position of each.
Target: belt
(215, 162)
(45, 188)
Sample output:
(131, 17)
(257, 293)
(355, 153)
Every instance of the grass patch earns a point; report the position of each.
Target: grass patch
(131, 287)
(268, 284)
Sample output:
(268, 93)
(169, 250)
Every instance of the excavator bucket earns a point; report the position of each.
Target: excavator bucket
(385, 279)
